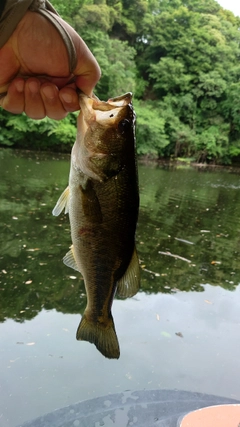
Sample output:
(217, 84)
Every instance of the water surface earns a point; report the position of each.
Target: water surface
(181, 331)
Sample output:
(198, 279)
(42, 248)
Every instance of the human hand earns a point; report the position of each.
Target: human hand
(35, 73)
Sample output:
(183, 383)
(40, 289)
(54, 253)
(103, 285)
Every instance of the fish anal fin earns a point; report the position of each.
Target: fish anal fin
(103, 336)
(129, 283)
(62, 203)
(69, 259)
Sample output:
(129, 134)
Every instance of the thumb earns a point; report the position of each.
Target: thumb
(87, 71)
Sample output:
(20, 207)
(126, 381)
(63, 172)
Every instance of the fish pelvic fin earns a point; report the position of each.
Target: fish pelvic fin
(102, 335)
(70, 260)
(62, 203)
(129, 283)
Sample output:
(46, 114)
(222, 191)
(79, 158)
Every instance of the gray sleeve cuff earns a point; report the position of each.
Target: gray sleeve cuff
(12, 14)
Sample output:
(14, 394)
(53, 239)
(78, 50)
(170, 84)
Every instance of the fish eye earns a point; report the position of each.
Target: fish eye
(124, 125)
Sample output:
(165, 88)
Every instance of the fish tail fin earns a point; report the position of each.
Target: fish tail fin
(102, 335)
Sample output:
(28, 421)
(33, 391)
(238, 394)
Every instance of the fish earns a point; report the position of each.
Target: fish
(102, 200)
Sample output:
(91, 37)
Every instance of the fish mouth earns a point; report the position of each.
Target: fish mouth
(120, 101)
(108, 112)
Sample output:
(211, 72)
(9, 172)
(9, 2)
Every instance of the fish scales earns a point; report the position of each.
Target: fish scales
(102, 200)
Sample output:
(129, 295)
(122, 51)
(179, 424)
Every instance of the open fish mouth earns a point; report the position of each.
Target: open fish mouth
(95, 110)
(120, 101)
(97, 104)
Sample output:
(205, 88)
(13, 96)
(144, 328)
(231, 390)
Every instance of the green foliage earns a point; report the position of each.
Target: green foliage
(190, 60)
(45, 134)
(170, 76)
(150, 130)
(231, 107)
(116, 60)
(98, 16)
(213, 144)
(180, 58)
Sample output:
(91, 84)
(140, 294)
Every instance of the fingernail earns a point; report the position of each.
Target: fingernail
(67, 97)
(49, 92)
(19, 85)
(33, 87)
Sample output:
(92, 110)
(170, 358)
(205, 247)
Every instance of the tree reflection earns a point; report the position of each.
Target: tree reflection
(193, 215)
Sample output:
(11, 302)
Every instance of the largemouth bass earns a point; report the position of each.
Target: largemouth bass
(102, 200)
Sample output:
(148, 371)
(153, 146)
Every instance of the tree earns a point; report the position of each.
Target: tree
(180, 58)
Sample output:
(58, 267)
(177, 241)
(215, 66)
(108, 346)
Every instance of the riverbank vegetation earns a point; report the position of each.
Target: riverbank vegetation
(180, 58)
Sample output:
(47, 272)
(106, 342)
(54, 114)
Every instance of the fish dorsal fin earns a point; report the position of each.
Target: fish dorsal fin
(128, 285)
(62, 203)
(70, 260)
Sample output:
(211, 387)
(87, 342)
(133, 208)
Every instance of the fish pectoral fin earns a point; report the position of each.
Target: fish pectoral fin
(103, 335)
(62, 203)
(128, 285)
(70, 260)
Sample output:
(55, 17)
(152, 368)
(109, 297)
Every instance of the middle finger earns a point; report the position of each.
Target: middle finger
(53, 106)
(34, 106)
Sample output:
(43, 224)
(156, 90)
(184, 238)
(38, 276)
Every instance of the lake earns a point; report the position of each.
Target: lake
(181, 331)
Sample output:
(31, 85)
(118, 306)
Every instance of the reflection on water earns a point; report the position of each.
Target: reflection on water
(188, 234)
(194, 214)
(187, 237)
